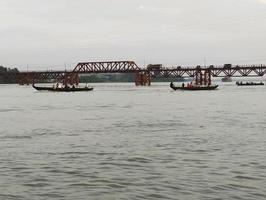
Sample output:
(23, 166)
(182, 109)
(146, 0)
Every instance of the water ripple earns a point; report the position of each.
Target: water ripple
(133, 143)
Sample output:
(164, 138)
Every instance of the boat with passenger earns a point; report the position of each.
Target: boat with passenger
(191, 86)
(248, 83)
(202, 82)
(62, 88)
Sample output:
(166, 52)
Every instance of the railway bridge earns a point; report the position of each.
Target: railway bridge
(143, 76)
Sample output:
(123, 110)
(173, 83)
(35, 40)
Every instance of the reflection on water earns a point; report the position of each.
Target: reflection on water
(125, 142)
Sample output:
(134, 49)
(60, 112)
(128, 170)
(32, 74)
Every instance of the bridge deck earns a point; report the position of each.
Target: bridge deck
(132, 67)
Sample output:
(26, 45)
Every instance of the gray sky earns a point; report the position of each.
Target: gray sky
(45, 34)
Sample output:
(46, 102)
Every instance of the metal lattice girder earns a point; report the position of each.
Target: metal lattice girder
(216, 72)
(191, 73)
(260, 72)
(107, 67)
(245, 72)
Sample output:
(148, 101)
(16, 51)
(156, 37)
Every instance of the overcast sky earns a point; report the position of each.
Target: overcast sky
(45, 34)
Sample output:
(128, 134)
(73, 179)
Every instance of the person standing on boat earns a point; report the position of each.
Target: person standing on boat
(171, 84)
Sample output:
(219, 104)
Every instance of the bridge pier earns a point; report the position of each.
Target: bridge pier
(203, 78)
(70, 79)
(142, 79)
(24, 79)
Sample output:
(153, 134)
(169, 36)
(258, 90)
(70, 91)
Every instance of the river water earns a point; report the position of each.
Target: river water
(125, 142)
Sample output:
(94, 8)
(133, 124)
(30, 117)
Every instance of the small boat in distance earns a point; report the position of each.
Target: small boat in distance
(249, 83)
(227, 79)
(193, 87)
(65, 88)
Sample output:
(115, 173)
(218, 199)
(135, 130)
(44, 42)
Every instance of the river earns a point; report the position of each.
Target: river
(125, 142)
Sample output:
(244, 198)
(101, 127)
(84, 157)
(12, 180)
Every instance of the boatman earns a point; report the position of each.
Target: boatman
(171, 84)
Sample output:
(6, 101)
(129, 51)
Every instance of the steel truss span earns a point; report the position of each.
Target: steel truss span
(107, 67)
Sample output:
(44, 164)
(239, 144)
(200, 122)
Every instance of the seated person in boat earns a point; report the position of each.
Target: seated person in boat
(189, 85)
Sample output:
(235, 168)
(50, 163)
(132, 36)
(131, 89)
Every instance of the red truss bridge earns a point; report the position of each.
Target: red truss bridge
(107, 67)
(143, 76)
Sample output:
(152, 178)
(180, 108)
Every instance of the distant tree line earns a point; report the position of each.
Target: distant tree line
(7, 75)
(104, 78)
(8, 70)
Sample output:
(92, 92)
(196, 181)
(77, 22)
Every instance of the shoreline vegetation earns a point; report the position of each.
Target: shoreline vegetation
(8, 75)
(112, 78)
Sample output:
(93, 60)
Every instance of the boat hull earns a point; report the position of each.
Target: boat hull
(70, 89)
(249, 84)
(210, 87)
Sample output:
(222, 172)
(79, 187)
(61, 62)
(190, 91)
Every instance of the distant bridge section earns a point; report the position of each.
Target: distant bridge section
(43, 76)
(216, 71)
(238, 71)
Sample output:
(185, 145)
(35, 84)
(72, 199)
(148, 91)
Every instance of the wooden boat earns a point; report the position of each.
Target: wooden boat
(194, 87)
(248, 83)
(62, 89)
